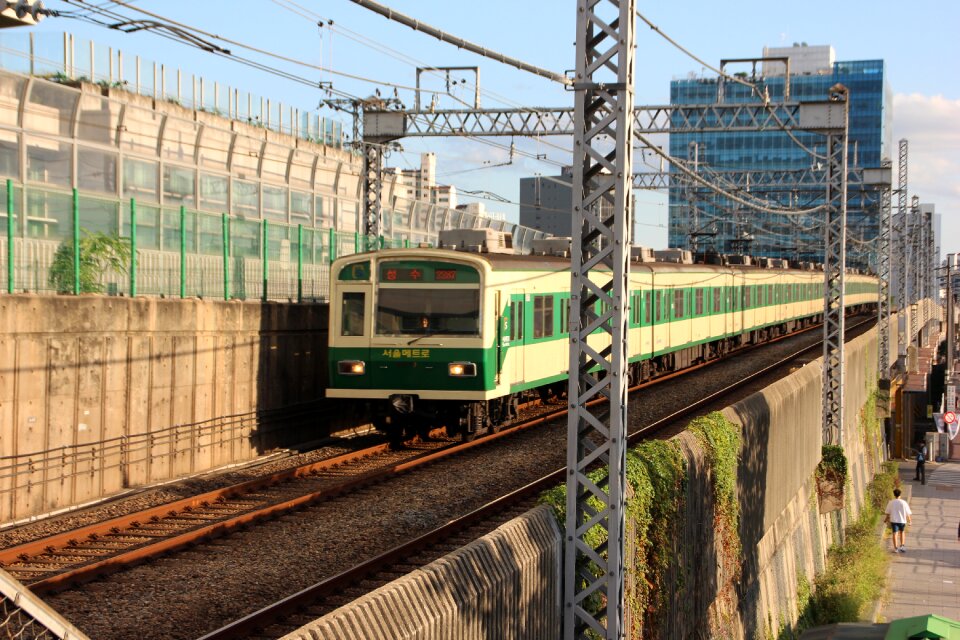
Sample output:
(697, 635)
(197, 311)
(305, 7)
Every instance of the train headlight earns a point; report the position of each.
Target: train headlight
(351, 367)
(462, 369)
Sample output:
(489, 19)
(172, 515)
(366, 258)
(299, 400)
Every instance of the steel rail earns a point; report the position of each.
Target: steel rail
(336, 584)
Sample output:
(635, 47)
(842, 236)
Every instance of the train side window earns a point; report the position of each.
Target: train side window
(699, 306)
(351, 313)
(542, 316)
(746, 297)
(678, 303)
(647, 308)
(658, 306)
(716, 299)
(516, 320)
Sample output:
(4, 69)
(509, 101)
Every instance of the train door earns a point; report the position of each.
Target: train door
(515, 337)
(502, 332)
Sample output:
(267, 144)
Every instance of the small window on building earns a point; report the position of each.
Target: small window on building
(351, 314)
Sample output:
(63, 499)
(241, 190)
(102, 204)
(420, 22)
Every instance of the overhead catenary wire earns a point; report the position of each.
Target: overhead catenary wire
(443, 36)
(249, 47)
(679, 164)
(255, 64)
(419, 26)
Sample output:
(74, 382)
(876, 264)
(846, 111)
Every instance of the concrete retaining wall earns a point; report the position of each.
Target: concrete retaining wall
(472, 593)
(785, 538)
(505, 585)
(98, 394)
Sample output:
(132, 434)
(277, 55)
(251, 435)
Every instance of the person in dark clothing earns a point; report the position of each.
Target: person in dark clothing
(921, 474)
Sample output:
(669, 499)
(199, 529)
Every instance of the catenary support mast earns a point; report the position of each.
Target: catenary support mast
(835, 230)
(603, 116)
(883, 270)
(903, 261)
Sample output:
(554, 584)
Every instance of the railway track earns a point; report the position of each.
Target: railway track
(92, 551)
(294, 611)
(81, 555)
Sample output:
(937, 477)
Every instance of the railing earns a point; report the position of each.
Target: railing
(24, 615)
(80, 244)
(62, 57)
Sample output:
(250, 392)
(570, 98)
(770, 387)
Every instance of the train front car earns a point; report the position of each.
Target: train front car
(410, 338)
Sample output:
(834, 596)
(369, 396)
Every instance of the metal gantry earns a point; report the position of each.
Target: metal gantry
(594, 574)
(559, 121)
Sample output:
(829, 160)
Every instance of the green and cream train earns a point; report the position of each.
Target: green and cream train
(434, 337)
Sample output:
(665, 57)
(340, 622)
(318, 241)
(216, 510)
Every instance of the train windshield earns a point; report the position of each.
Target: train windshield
(447, 311)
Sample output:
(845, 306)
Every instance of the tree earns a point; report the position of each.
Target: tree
(99, 253)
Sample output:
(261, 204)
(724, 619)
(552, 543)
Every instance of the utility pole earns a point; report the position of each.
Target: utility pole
(951, 257)
(600, 262)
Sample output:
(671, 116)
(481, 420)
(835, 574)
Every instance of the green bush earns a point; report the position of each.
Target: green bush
(99, 253)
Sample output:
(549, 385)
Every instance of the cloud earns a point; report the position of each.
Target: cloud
(931, 126)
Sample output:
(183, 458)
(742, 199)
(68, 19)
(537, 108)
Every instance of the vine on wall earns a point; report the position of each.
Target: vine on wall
(656, 499)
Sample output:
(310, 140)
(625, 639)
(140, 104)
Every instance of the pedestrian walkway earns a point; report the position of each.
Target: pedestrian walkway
(926, 579)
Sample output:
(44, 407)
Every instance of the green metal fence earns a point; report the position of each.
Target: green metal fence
(72, 243)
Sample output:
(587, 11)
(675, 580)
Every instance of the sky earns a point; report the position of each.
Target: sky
(918, 41)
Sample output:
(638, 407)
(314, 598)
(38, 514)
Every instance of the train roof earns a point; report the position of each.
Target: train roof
(515, 262)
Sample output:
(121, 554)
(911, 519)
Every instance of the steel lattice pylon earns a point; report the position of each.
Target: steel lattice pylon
(883, 270)
(902, 256)
(913, 239)
(835, 240)
(600, 251)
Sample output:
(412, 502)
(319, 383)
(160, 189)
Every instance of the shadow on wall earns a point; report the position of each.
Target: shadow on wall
(292, 375)
(752, 485)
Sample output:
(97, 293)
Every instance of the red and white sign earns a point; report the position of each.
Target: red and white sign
(949, 417)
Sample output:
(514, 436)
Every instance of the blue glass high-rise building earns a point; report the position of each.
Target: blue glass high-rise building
(697, 217)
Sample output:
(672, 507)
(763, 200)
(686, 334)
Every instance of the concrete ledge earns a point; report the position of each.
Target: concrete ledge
(505, 585)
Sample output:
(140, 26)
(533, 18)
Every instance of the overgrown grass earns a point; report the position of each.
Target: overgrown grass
(856, 571)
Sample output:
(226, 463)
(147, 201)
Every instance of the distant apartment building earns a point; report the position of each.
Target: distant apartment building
(729, 226)
(420, 184)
